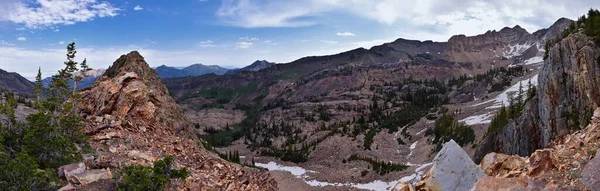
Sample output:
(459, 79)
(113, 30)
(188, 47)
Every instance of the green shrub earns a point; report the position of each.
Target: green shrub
(21, 173)
(142, 178)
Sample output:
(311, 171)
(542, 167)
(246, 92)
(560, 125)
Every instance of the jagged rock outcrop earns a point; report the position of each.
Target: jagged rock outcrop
(452, 169)
(131, 119)
(568, 89)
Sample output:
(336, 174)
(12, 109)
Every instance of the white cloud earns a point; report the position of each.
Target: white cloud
(150, 41)
(138, 8)
(269, 42)
(4, 43)
(21, 38)
(439, 19)
(248, 38)
(61, 42)
(49, 13)
(345, 34)
(206, 44)
(243, 45)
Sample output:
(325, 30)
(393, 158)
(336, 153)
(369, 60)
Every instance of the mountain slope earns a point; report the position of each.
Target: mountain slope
(15, 82)
(131, 119)
(255, 66)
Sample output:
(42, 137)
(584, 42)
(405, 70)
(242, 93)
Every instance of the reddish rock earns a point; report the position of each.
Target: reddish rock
(540, 161)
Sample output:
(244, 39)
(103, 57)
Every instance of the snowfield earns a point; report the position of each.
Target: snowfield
(502, 98)
(376, 185)
(478, 119)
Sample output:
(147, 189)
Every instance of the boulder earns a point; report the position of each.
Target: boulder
(540, 162)
(67, 171)
(68, 187)
(488, 183)
(90, 176)
(401, 186)
(590, 176)
(501, 165)
(452, 169)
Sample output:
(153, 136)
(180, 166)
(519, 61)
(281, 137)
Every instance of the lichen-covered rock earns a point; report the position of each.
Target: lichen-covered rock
(452, 169)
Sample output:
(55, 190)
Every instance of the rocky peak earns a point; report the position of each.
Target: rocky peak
(489, 40)
(131, 119)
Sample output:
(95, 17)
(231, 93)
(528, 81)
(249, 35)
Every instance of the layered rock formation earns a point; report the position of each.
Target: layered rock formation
(131, 119)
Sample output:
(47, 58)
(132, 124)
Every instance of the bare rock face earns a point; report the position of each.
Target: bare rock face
(452, 169)
(131, 119)
(569, 86)
(132, 92)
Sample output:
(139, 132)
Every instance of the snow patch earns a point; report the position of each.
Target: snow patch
(477, 119)
(377, 185)
(502, 98)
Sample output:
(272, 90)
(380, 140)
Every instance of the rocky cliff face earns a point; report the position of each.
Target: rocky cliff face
(569, 86)
(567, 92)
(131, 119)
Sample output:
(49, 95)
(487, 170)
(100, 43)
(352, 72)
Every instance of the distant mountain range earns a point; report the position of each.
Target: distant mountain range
(163, 71)
(192, 70)
(15, 82)
(85, 82)
(256, 66)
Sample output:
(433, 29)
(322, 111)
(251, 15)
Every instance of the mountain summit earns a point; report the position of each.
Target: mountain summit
(131, 119)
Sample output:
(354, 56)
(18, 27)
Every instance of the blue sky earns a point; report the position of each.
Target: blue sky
(234, 33)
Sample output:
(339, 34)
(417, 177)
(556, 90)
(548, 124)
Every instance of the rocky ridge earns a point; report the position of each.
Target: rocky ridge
(131, 119)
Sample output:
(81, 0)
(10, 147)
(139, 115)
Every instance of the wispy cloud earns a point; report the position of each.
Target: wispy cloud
(21, 38)
(206, 44)
(439, 19)
(150, 41)
(46, 13)
(138, 8)
(248, 38)
(61, 42)
(243, 45)
(345, 34)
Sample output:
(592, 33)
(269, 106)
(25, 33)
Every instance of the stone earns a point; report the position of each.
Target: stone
(67, 171)
(590, 176)
(452, 169)
(488, 183)
(93, 175)
(68, 187)
(401, 186)
(540, 161)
